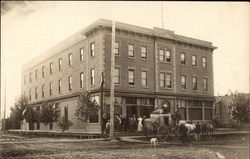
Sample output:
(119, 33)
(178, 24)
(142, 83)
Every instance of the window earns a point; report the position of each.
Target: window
(194, 60)
(117, 76)
(144, 78)
(29, 94)
(92, 49)
(43, 90)
(116, 48)
(59, 85)
(81, 80)
(70, 83)
(168, 80)
(50, 68)
(168, 56)
(204, 62)
(36, 73)
(144, 52)
(70, 59)
(194, 83)
(60, 64)
(30, 77)
(165, 80)
(205, 84)
(162, 80)
(165, 55)
(50, 88)
(43, 71)
(81, 54)
(183, 58)
(92, 77)
(183, 82)
(131, 50)
(131, 77)
(36, 92)
(161, 54)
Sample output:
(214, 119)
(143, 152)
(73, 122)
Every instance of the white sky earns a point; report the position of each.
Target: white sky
(28, 31)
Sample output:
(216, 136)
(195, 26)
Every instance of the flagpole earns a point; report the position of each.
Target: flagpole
(111, 136)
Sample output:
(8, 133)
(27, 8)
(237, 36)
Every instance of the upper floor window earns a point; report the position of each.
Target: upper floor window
(36, 92)
(131, 50)
(144, 52)
(43, 71)
(92, 77)
(168, 56)
(116, 48)
(117, 76)
(165, 55)
(50, 88)
(92, 49)
(131, 77)
(204, 62)
(70, 83)
(144, 78)
(194, 79)
(81, 54)
(70, 59)
(194, 60)
(51, 67)
(30, 77)
(183, 82)
(60, 63)
(81, 80)
(36, 73)
(183, 58)
(59, 85)
(43, 90)
(165, 80)
(205, 88)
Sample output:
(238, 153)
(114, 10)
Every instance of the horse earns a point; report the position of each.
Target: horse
(207, 129)
(189, 125)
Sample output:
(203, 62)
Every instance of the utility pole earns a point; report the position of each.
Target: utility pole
(4, 111)
(162, 15)
(111, 135)
(101, 104)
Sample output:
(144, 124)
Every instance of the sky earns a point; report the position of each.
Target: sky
(31, 28)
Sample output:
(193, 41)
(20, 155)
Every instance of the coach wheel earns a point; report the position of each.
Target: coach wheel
(175, 133)
(163, 133)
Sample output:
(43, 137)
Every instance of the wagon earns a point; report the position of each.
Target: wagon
(162, 125)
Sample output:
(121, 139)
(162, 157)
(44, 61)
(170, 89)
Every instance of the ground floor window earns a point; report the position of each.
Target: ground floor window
(38, 126)
(208, 114)
(94, 118)
(195, 114)
(183, 113)
(117, 110)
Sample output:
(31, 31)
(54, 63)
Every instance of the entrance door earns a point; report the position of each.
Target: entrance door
(131, 110)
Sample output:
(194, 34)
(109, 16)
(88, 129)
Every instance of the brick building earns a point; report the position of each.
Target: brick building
(153, 67)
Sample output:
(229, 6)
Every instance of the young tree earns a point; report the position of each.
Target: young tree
(17, 112)
(239, 106)
(31, 115)
(87, 106)
(64, 123)
(48, 113)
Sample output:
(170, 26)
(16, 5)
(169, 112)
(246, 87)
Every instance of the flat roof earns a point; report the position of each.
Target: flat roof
(79, 36)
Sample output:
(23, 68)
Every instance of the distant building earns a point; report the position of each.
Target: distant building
(153, 67)
(222, 112)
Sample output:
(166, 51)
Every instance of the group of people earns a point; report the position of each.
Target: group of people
(123, 123)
